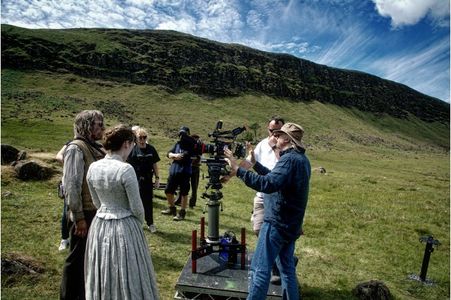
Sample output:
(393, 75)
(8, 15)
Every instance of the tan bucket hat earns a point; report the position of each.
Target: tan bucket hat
(294, 131)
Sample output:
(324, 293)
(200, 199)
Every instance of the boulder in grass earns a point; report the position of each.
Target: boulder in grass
(372, 290)
(31, 170)
(9, 154)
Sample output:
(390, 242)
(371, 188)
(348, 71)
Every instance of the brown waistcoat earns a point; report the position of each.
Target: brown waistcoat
(90, 155)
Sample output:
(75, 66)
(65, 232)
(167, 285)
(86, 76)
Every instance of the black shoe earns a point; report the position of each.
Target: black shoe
(276, 280)
(275, 275)
(180, 216)
(170, 211)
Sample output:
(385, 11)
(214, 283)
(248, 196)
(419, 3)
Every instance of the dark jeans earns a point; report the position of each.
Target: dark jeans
(64, 223)
(194, 184)
(146, 193)
(73, 282)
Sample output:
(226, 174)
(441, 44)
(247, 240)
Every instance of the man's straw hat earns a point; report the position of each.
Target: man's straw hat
(294, 131)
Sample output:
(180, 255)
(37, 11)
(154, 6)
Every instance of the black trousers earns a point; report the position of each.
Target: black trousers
(146, 193)
(194, 185)
(73, 282)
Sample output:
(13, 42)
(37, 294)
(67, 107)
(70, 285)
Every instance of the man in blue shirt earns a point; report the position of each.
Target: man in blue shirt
(287, 187)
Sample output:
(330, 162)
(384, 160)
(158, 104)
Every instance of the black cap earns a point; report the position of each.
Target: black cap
(184, 129)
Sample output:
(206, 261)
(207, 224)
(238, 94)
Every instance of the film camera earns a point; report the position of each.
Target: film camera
(217, 167)
(223, 140)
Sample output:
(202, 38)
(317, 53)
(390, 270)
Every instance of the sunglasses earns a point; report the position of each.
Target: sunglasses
(142, 137)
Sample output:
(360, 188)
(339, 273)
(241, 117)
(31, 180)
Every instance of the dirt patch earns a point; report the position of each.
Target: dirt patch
(17, 267)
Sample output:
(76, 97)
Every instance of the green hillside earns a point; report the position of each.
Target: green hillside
(184, 62)
(387, 183)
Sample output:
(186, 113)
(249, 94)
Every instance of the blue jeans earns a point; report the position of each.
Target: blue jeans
(272, 247)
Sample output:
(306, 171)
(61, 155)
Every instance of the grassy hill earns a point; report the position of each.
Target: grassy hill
(387, 183)
(183, 62)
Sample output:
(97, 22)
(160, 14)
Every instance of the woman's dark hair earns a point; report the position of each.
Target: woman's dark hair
(114, 137)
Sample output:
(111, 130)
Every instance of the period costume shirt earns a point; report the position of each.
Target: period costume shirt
(114, 182)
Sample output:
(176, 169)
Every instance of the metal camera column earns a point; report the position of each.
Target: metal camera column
(214, 199)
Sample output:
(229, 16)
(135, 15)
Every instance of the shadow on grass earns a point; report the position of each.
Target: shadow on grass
(167, 263)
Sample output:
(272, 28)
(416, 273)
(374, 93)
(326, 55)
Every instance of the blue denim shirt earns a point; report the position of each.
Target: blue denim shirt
(287, 187)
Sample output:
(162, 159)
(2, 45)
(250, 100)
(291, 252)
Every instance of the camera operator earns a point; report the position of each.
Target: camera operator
(195, 172)
(286, 187)
(180, 173)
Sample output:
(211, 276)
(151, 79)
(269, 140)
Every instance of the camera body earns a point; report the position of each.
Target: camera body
(225, 140)
(217, 149)
(217, 165)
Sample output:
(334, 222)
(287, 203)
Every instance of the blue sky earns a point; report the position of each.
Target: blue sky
(406, 41)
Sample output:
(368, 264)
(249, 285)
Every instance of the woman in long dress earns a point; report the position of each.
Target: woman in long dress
(117, 260)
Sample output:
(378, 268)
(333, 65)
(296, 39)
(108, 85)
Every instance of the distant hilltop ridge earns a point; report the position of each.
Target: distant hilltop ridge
(182, 61)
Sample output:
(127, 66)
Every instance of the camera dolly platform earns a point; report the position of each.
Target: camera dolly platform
(217, 279)
(218, 269)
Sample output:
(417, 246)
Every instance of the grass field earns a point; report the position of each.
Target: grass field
(387, 185)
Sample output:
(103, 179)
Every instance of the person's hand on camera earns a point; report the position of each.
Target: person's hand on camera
(231, 161)
(249, 162)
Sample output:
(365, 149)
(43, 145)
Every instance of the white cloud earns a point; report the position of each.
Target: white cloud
(347, 49)
(219, 20)
(254, 20)
(410, 12)
(139, 3)
(185, 24)
(423, 69)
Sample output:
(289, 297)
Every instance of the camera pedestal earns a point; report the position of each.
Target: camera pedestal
(217, 279)
(217, 270)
